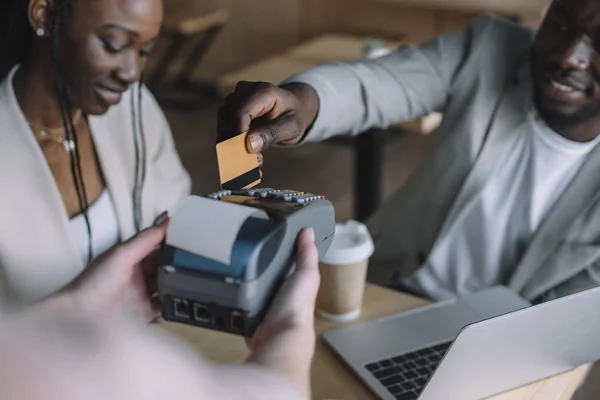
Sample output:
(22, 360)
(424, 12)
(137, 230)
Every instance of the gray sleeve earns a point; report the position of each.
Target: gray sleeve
(409, 83)
(5, 294)
(587, 279)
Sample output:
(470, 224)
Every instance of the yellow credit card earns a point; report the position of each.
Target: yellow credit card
(238, 168)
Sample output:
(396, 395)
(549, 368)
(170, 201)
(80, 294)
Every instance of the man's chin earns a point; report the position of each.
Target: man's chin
(555, 113)
(558, 112)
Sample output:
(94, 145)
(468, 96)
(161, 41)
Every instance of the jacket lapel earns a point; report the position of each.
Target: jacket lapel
(115, 167)
(510, 112)
(583, 191)
(37, 234)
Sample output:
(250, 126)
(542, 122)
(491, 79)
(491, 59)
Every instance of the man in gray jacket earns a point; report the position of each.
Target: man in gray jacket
(510, 193)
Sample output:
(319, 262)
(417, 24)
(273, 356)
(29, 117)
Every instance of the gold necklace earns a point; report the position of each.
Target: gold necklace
(57, 135)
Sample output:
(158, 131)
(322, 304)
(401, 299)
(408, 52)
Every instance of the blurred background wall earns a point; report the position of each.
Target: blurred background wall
(259, 28)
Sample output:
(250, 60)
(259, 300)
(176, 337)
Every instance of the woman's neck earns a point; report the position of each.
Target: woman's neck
(35, 94)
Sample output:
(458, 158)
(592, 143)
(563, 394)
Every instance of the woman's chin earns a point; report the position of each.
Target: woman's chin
(96, 109)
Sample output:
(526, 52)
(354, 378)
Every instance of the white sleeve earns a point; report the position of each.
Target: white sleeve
(170, 181)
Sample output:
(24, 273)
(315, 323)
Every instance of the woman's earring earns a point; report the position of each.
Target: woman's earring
(40, 32)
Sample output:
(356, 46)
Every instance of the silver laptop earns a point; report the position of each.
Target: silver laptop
(471, 348)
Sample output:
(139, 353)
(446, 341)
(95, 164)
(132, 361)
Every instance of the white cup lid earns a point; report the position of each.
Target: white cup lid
(352, 244)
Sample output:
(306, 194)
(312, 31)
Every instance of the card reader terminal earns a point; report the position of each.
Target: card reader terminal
(229, 286)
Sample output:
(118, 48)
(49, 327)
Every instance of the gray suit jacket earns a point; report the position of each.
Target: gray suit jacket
(478, 78)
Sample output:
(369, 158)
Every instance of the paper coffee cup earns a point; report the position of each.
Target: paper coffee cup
(343, 272)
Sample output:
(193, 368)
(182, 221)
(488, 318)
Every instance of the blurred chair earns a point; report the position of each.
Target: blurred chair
(189, 33)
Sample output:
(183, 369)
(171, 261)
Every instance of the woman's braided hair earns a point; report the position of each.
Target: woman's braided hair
(16, 42)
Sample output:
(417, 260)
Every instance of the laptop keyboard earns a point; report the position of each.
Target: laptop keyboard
(405, 376)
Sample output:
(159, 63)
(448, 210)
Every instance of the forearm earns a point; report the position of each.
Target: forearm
(129, 362)
(62, 302)
(357, 96)
(290, 354)
(406, 84)
(586, 279)
(250, 381)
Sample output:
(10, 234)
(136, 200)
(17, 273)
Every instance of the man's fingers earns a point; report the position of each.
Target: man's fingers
(264, 110)
(236, 119)
(223, 129)
(249, 102)
(279, 130)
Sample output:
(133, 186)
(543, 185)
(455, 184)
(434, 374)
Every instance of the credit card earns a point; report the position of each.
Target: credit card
(238, 168)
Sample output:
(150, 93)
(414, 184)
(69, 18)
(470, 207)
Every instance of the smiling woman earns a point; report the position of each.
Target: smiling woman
(86, 155)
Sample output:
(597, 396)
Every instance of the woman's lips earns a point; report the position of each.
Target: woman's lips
(108, 96)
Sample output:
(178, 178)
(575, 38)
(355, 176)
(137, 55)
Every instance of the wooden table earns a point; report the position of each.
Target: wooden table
(331, 379)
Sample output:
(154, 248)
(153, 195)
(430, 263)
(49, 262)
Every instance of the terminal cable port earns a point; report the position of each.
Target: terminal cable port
(201, 313)
(181, 308)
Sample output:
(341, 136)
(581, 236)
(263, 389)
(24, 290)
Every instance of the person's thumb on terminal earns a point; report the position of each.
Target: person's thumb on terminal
(298, 295)
(305, 281)
(293, 307)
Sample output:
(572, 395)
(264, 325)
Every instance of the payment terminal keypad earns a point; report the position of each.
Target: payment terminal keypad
(268, 193)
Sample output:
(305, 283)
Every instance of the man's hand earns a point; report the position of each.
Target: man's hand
(122, 282)
(270, 114)
(285, 341)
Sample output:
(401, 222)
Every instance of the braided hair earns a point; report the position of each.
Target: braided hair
(17, 40)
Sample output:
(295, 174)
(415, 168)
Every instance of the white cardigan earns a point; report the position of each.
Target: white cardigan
(37, 253)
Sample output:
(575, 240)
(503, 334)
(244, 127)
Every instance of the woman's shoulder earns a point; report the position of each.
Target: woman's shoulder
(7, 96)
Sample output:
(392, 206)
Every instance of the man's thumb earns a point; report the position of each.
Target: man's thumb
(282, 129)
